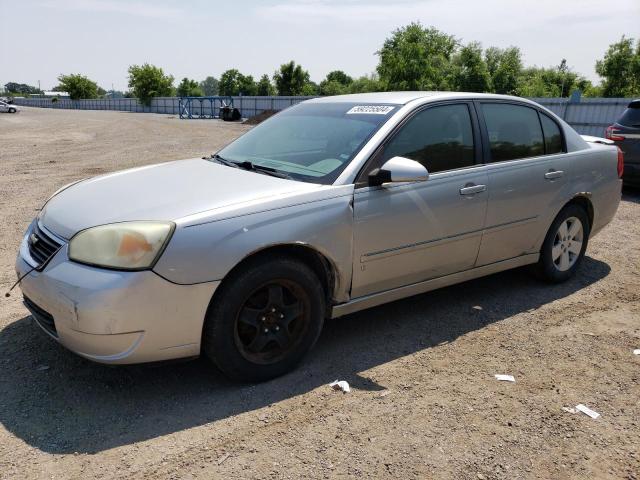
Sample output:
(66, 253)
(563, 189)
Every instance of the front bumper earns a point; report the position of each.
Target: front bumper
(112, 316)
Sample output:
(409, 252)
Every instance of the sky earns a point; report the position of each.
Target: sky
(41, 39)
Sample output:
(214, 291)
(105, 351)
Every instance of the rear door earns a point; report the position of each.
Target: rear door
(409, 232)
(527, 169)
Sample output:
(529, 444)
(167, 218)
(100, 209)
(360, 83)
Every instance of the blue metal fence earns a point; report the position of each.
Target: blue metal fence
(588, 116)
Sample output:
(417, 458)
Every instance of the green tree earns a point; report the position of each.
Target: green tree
(265, 87)
(21, 88)
(209, 86)
(534, 82)
(505, 69)
(78, 86)
(557, 81)
(248, 85)
(333, 87)
(366, 84)
(291, 79)
(416, 58)
(230, 82)
(233, 83)
(469, 72)
(148, 81)
(310, 89)
(336, 83)
(620, 69)
(189, 88)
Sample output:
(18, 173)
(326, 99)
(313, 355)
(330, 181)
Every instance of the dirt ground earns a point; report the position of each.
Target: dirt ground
(424, 404)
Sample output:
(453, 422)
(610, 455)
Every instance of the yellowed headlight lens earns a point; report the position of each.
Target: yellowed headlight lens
(126, 246)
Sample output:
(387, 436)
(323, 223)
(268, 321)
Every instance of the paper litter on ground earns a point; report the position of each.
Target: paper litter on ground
(636, 351)
(505, 378)
(569, 410)
(340, 385)
(587, 411)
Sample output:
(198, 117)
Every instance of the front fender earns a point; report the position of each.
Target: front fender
(208, 250)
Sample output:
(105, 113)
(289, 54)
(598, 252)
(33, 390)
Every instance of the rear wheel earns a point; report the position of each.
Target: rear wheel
(564, 246)
(264, 319)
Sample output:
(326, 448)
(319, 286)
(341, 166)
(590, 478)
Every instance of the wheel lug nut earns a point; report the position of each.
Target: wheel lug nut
(281, 315)
(266, 330)
(277, 328)
(263, 319)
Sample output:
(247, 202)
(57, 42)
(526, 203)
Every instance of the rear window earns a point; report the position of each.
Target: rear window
(514, 131)
(631, 116)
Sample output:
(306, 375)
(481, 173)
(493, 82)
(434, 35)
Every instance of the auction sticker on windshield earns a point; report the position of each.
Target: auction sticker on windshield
(371, 109)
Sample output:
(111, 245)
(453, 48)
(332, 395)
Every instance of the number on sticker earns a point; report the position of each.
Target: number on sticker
(371, 109)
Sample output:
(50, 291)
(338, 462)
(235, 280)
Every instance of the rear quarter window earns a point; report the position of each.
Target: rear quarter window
(552, 135)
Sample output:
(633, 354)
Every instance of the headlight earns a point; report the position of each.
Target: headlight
(123, 246)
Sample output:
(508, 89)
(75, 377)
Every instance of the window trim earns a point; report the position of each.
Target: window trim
(486, 150)
(370, 164)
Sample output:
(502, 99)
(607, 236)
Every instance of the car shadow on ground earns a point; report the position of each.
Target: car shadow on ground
(79, 406)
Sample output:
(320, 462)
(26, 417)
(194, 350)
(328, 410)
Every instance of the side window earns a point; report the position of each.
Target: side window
(552, 135)
(514, 131)
(440, 138)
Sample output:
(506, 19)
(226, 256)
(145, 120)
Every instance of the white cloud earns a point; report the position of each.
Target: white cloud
(149, 10)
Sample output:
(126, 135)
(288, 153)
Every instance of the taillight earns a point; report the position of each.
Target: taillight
(620, 162)
(609, 133)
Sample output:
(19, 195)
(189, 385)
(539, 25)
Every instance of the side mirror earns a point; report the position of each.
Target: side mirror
(398, 169)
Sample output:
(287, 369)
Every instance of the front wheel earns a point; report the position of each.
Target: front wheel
(12, 110)
(564, 246)
(264, 319)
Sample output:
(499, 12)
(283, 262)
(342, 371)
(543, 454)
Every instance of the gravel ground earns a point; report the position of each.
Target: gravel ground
(424, 403)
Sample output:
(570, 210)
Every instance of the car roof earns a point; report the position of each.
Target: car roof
(402, 98)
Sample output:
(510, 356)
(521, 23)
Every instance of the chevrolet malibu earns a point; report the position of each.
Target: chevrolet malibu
(332, 206)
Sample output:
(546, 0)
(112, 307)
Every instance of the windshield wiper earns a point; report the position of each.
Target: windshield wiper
(247, 165)
(224, 161)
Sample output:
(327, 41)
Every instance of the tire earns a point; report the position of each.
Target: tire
(12, 110)
(254, 332)
(563, 251)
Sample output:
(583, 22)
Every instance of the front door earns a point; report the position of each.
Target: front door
(410, 232)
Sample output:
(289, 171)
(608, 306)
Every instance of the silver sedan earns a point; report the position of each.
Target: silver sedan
(329, 207)
(8, 107)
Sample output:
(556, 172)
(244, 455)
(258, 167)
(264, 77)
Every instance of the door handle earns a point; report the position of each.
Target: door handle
(551, 174)
(471, 189)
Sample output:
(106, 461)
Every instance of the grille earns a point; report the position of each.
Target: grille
(41, 245)
(44, 318)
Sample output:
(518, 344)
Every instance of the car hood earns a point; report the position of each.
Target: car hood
(167, 191)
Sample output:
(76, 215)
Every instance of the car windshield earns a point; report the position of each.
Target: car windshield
(311, 142)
